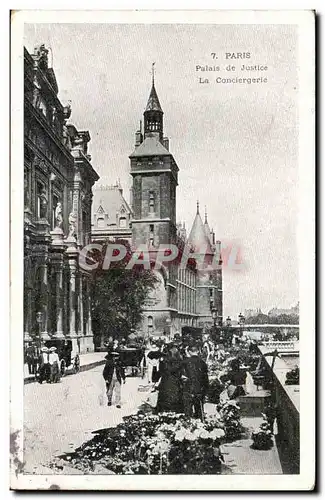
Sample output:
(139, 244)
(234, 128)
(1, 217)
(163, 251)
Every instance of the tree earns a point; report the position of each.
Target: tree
(259, 319)
(118, 297)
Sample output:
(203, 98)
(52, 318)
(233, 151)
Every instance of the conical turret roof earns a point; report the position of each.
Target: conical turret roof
(153, 101)
(198, 238)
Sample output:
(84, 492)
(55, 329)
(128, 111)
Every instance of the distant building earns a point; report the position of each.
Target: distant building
(184, 297)
(249, 313)
(58, 180)
(293, 311)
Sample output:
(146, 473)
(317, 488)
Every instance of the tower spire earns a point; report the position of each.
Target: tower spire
(205, 215)
(197, 207)
(153, 73)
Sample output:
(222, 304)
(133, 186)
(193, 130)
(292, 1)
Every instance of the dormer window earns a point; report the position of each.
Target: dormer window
(101, 222)
(122, 222)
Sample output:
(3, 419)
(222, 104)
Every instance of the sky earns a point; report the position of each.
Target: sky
(236, 145)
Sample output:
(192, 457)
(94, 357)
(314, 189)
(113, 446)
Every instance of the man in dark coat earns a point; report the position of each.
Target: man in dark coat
(195, 383)
(113, 374)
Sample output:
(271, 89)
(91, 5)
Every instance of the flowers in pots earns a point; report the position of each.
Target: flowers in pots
(262, 437)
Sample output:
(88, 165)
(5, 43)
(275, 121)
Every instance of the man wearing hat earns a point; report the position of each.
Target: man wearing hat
(113, 374)
(44, 366)
(54, 363)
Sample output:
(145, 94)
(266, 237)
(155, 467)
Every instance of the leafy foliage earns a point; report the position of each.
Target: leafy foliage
(118, 296)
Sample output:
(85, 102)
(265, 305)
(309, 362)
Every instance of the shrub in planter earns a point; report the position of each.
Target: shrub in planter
(292, 377)
(262, 437)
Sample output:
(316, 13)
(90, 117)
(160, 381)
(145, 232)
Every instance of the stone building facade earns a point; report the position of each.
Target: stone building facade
(185, 296)
(58, 180)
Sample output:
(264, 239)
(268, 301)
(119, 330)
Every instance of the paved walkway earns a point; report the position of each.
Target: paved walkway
(240, 458)
(60, 417)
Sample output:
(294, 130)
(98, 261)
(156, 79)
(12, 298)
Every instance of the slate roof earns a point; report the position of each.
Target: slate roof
(110, 200)
(153, 101)
(151, 146)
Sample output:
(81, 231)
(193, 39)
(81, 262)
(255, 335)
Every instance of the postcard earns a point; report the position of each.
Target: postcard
(162, 243)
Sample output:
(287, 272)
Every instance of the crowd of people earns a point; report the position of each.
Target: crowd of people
(178, 370)
(43, 362)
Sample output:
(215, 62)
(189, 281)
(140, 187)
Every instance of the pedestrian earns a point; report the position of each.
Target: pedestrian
(170, 397)
(195, 383)
(44, 365)
(31, 358)
(54, 363)
(153, 357)
(114, 374)
(237, 377)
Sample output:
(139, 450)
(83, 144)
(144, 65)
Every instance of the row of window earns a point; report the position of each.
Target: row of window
(187, 276)
(186, 298)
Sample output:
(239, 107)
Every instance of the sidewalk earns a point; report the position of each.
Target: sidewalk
(87, 362)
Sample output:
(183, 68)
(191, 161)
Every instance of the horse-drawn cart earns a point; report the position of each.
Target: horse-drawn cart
(68, 358)
(134, 358)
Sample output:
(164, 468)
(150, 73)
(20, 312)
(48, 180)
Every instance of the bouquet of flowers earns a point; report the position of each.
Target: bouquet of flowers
(262, 437)
(167, 443)
(230, 414)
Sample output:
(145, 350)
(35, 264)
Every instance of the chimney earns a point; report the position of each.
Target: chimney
(212, 237)
(166, 143)
(138, 136)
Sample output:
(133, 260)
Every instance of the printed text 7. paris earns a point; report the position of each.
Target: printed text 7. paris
(233, 55)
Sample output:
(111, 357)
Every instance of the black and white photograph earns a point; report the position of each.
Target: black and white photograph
(162, 190)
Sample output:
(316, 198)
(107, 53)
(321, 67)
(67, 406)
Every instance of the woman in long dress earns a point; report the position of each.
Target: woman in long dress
(170, 395)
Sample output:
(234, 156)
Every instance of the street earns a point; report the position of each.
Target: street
(60, 417)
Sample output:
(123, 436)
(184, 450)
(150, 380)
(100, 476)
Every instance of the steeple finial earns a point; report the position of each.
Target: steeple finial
(205, 215)
(153, 72)
(197, 207)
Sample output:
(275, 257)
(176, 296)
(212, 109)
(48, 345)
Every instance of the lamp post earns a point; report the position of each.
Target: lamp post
(214, 317)
(228, 325)
(241, 320)
(39, 320)
(168, 323)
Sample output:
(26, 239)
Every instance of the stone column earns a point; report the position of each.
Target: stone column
(59, 303)
(81, 306)
(72, 319)
(89, 321)
(28, 313)
(44, 299)
(72, 254)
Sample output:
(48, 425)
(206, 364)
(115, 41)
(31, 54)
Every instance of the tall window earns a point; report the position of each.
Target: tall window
(55, 202)
(151, 202)
(151, 234)
(41, 200)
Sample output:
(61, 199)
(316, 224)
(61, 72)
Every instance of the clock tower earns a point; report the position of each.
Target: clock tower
(154, 172)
